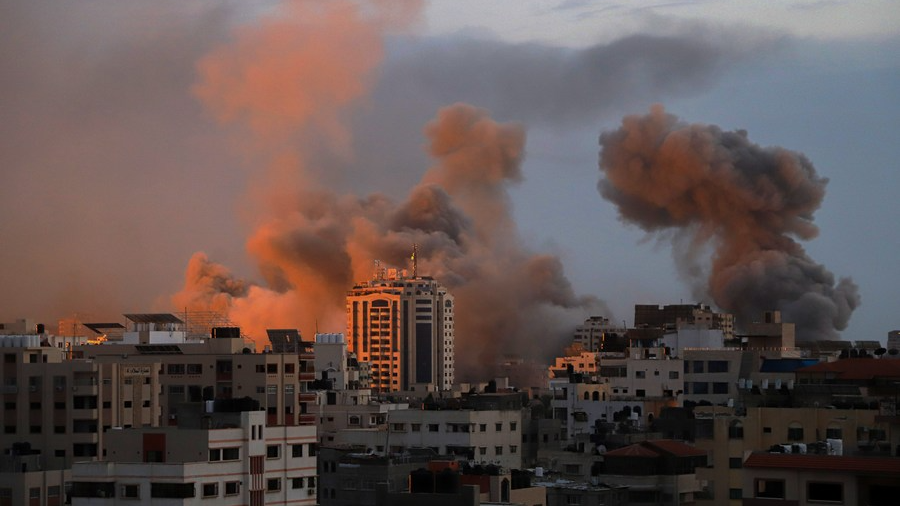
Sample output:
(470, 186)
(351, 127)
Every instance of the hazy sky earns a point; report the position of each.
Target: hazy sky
(116, 169)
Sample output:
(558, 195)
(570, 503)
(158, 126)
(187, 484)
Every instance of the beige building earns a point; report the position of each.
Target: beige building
(403, 327)
(729, 439)
(801, 480)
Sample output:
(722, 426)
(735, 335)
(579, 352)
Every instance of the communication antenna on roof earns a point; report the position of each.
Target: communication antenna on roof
(415, 260)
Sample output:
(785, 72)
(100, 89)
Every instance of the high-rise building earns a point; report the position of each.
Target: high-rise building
(403, 327)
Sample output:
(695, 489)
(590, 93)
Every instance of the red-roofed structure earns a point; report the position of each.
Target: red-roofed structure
(798, 479)
(660, 471)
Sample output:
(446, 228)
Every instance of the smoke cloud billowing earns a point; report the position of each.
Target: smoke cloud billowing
(136, 133)
(708, 187)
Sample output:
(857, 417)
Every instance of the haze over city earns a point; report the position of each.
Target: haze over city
(258, 160)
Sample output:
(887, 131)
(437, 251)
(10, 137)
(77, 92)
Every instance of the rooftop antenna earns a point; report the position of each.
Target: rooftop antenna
(377, 274)
(415, 260)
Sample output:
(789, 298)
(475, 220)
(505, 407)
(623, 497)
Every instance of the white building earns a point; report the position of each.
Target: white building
(236, 461)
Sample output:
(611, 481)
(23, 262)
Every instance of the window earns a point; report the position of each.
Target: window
(833, 433)
(195, 368)
(289, 368)
(735, 493)
(698, 366)
(215, 454)
(34, 493)
(769, 489)
(271, 368)
(130, 491)
(498, 450)
(175, 369)
(296, 483)
(735, 463)
(273, 484)
(499, 426)
(513, 449)
(313, 449)
(512, 426)
(398, 427)
(210, 490)
(172, 490)
(720, 387)
(416, 427)
(640, 374)
(482, 450)
(825, 492)
(260, 368)
(717, 366)
(673, 375)
(232, 487)
(433, 427)
(482, 427)
(795, 432)
(231, 454)
(296, 451)
(700, 387)
(273, 451)
(767, 430)
(53, 491)
(640, 392)
(736, 430)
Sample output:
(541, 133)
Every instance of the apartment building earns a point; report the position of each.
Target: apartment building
(222, 458)
(403, 327)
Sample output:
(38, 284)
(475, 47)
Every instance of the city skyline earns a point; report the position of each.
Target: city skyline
(115, 161)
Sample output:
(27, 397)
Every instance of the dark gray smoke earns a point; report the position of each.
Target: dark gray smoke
(717, 189)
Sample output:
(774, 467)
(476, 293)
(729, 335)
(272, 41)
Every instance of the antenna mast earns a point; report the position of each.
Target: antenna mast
(415, 260)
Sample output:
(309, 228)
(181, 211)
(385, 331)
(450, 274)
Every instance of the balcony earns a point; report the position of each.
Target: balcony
(306, 376)
(306, 419)
(306, 397)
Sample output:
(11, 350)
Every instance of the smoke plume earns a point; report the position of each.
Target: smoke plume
(714, 189)
(311, 244)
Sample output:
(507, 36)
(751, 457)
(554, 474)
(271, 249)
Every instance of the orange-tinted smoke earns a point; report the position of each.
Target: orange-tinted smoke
(747, 202)
(289, 79)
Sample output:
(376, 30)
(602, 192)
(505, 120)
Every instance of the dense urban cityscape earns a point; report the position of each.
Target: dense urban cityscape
(687, 406)
(449, 252)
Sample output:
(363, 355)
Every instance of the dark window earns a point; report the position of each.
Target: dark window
(272, 451)
(296, 483)
(720, 388)
(231, 453)
(296, 451)
(195, 368)
(700, 387)
(289, 368)
(795, 434)
(770, 489)
(271, 368)
(273, 484)
(131, 491)
(210, 489)
(736, 431)
(834, 433)
(735, 463)
(232, 487)
(735, 493)
(215, 454)
(93, 489)
(172, 490)
(698, 366)
(825, 492)
(717, 366)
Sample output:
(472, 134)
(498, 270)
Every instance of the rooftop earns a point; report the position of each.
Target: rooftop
(864, 465)
(856, 368)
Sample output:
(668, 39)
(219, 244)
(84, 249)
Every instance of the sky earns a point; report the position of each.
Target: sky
(163, 155)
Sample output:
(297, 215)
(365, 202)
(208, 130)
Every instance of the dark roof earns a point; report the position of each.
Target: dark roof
(657, 448)
(856, 368)
(153, 318)
(857, 465)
